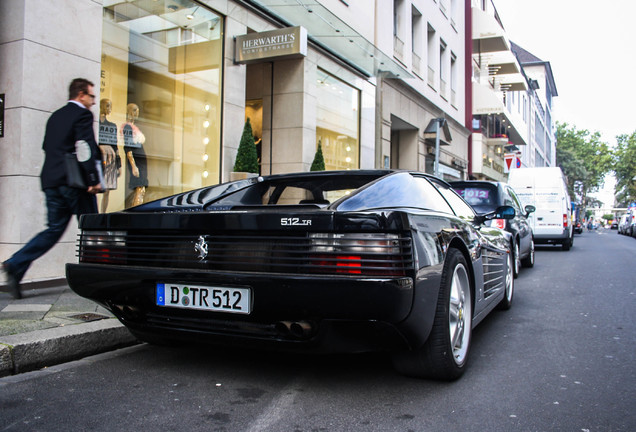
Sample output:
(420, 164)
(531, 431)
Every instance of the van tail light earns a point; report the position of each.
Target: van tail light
(499, 223)
(565, 220)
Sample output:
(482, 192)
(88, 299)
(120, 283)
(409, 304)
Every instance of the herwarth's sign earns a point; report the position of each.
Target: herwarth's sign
(285, 43)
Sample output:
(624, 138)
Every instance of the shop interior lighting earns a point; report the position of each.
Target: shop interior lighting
(190, 16)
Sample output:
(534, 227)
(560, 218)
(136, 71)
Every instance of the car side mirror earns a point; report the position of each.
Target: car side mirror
(503, 212)
(530, 209)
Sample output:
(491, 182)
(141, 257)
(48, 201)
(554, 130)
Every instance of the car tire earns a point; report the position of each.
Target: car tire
(445, 353)
(567, 244)
(509, 287)
(529, 260)
(514, 249)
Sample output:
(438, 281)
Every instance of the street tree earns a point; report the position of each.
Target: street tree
(584, 159)
(625, 169)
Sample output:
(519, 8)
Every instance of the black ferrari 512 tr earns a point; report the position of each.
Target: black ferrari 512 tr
(331, 261)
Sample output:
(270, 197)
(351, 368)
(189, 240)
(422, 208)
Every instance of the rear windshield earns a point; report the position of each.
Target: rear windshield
(317, 190)
(482, 196)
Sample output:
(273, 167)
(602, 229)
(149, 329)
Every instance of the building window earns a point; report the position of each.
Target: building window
(398, 40)
(432, 57)
(525, 108)
(416, 39)
(539, 133)
(453, 79)
(160, 91)
(442, 69)
(338, 122)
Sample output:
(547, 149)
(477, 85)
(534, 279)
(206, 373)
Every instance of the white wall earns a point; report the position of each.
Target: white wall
(40, 56)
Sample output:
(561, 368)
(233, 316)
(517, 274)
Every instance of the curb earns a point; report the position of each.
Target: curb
(29, 351)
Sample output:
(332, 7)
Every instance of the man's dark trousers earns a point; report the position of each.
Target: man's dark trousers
(62, 203)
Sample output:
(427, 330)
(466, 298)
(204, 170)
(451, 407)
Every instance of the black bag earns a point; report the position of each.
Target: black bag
(74, 177)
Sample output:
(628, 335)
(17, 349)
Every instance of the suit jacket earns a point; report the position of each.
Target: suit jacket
(66, 126)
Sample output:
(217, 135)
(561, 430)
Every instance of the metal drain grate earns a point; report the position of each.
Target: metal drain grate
(87, 317)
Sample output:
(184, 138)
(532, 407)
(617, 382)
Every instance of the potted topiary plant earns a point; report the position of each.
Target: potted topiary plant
(246, 164)
(319, 161)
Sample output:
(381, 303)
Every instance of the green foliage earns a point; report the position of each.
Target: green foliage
(608, 217)
(584, 159)
(319, 161)
(625, 169)
(246, 157)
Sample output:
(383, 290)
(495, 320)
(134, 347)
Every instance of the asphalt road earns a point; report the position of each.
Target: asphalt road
(562, 359)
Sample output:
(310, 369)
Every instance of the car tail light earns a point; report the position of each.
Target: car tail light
(359, 254)
(565, 220)
(102, 246)
(499, 223)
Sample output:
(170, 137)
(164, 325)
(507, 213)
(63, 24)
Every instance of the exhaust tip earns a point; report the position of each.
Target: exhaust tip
(283, 327)
(301, 329)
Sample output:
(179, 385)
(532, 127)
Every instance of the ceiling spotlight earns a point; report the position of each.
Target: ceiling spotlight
(190, 16)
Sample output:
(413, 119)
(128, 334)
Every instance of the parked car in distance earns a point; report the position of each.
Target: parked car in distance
(545, 188)
(614, 224)
(623, 224)
(485, 197)
(327, 261)
(578, 227)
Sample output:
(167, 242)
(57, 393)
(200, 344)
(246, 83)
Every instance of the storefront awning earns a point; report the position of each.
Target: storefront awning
(331, 33)
(488, 35)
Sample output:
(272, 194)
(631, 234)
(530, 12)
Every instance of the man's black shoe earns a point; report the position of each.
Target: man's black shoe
(12, 282)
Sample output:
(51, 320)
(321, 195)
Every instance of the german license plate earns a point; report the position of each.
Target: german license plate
(218, 299)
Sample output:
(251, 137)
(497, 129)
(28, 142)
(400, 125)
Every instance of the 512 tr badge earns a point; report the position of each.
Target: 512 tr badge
(294, 221)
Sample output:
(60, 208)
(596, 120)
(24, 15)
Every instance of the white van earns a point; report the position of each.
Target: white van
(546, 189)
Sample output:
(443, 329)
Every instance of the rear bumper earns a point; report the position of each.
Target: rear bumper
(344, 313)
(558, 237)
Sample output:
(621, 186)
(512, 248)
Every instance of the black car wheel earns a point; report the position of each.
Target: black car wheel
(529, 260)
(516, 259)
(567, 244)
(506, 301)
(444, 355)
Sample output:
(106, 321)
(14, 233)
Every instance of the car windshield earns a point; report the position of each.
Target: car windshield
(478, 196)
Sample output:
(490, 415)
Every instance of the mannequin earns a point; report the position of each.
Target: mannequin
(108, 145)
(134, 141)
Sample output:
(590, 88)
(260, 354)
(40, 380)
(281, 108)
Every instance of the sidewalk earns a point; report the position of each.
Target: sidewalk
(52, 325)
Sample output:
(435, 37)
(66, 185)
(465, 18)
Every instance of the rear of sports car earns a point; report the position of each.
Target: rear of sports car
(313, 279)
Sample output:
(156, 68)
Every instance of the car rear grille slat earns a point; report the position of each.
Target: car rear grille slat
(247, 253)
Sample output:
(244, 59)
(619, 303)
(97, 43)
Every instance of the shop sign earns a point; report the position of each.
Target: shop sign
(285, 43)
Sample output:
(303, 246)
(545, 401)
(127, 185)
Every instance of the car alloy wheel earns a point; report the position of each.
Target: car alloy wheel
(445, 353)
(506, 301)
(517, 260)
(529, 260)
(459, 314)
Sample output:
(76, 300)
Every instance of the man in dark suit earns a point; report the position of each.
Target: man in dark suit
(68, 130)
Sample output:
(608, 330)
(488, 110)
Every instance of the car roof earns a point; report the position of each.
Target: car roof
(475, 182)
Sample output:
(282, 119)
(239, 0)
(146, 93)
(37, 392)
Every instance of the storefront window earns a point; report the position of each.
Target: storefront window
(337, 127)
(160, 92)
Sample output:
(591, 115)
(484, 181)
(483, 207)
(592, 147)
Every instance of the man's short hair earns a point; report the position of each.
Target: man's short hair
(77, 86)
